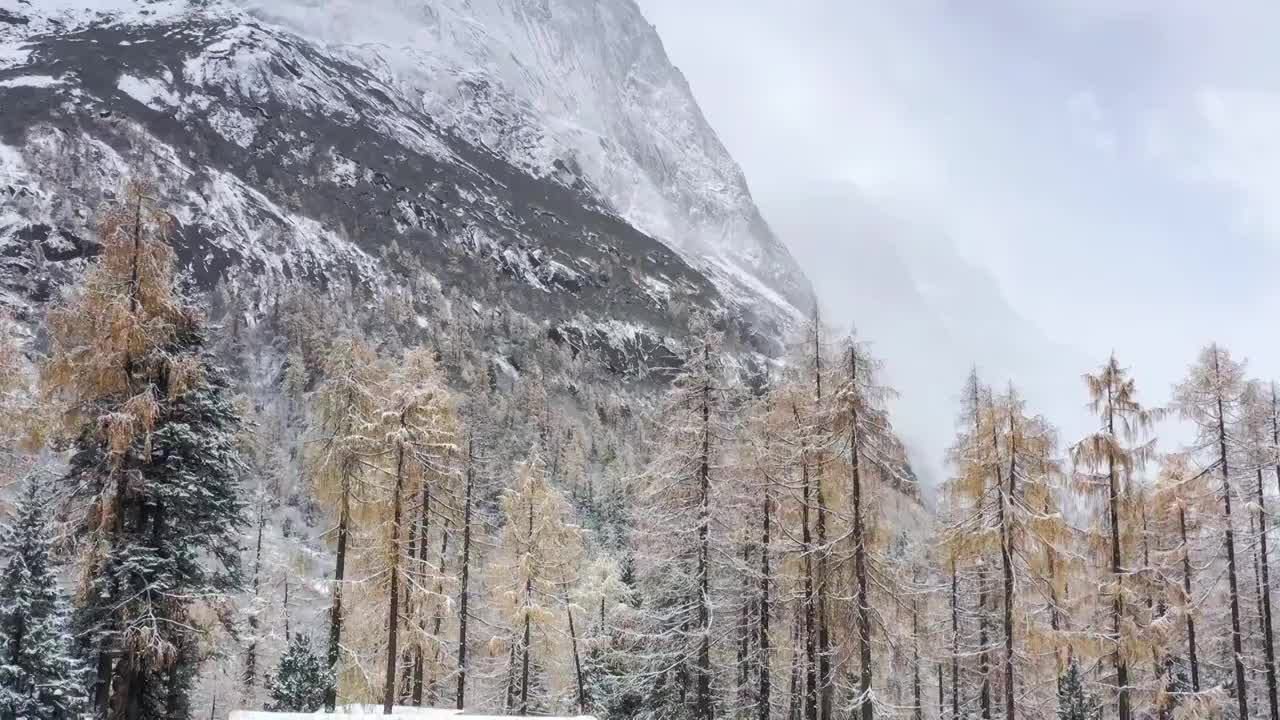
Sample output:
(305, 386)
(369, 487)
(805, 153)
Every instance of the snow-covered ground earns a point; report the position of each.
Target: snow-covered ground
(348, 711)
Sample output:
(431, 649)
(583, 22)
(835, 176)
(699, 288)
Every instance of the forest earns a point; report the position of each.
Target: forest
(213, 502)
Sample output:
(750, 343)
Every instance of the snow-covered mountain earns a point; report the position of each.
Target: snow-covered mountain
(551, 142)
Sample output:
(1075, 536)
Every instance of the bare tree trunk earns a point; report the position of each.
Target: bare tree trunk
(1242, 688)
(1006, 558)
(1268, 639)
(918, 705)
(251, 652)
(465, 572)
(577, 661)
(810, 642)
(393, 606)
(1186, 590)
(984, 655)
(955, 644)
(335, 616)
(825, 681)
(524, 646)
(942, 700)
(1117, 603)
(418, 549)
(865, 708)
(704, 709)
(763, 702)
(438, 619)
(795, 699)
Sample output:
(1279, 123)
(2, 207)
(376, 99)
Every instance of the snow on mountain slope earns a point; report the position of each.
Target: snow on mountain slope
(569, 89)
(289, 161)
(551, 140)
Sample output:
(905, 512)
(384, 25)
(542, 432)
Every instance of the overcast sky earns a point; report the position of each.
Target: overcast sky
(1110, 167)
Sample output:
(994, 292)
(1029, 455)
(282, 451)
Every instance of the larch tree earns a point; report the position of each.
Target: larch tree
(1106, 462)
(675, 538)
(413, 436)
(861, 427)
(153, 481)
(341, 458)
(973, 539)
(1211, 398)
(542, 550)
(1254, 431)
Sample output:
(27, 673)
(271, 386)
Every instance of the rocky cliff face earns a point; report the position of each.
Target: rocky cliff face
(543, 152)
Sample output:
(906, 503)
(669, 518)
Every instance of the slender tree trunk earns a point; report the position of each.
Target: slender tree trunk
(335, 616)
(918, 705)
(1117, 603)
(955, 643)
(465, 572)
(393, 607)
(984, 655)
(865, 707)
(577, 661)
(704, 709)
(984, 652)
(1006, 558)
(1268, 638)
(1186, 591)
(810, 642)
(825, 681)
(417, 543)
(942, 701)
(102, 684)
(251, 652)
(1157, 662)
(524, 646)
(285, 607)
(745, 630)
(438, 618)
(764, 701)
(1237, 643)
(424, 531)
(1055, 624)
(796, 700)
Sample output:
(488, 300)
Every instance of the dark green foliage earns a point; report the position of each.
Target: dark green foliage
(174, 539)
(40, 677)
(1074, 703)
(301, 681)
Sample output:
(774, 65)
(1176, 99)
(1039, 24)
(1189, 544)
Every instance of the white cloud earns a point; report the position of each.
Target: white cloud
(1111, 170)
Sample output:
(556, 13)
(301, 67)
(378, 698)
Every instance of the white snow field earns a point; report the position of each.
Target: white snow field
(415, 713)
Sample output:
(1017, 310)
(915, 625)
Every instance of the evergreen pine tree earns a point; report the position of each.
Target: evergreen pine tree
(301, 681)
(1073, 702)
(40, 676)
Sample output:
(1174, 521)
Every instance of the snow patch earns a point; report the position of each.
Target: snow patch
(14, 55)
(233, 126)
(31, 81)
(152, 92)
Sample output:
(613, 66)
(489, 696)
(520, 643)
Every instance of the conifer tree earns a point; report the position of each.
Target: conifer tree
(414, 435)
(1074, 700)
(153, 484)
(675, 540)
(1254, 433)
(345, 405)
(862, 424)
(1210, 398)
(40, 676)
(301, 681)
(543, 550)
(1109, 458)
